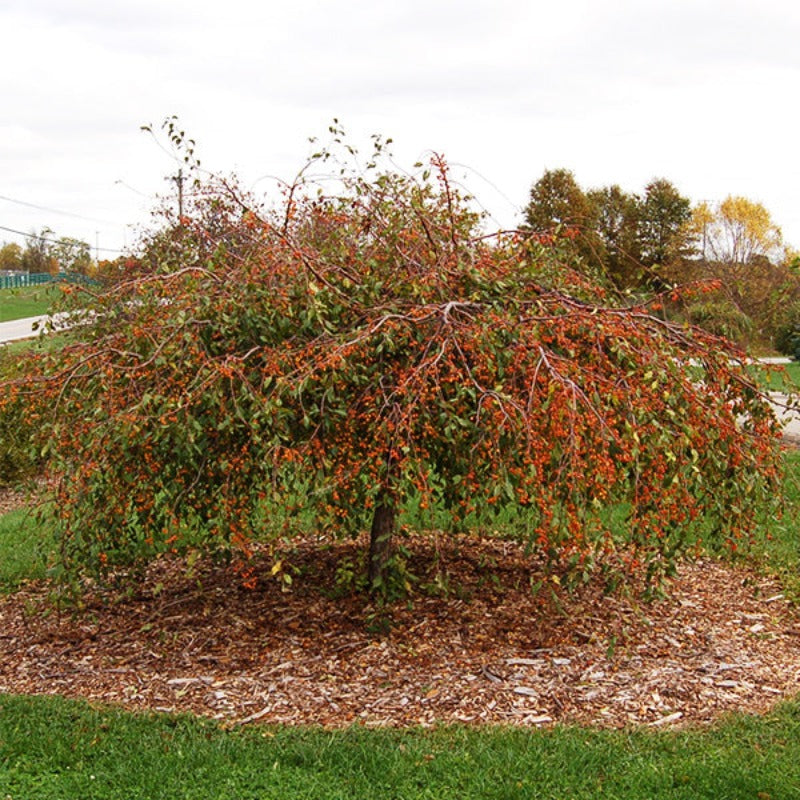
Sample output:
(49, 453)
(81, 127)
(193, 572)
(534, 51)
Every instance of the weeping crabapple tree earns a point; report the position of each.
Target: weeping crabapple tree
(354, 354)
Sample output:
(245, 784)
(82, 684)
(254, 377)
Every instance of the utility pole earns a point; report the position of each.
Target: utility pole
(179, 179)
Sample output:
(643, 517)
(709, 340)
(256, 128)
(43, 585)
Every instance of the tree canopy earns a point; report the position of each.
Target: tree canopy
(10, 256)
(359, 356)
(625, 237)
(738, 232)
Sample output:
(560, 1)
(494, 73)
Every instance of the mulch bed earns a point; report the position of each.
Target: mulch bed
(13, 498)
(486, 649)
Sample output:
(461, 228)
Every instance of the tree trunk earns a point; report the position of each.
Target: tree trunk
(384, 523)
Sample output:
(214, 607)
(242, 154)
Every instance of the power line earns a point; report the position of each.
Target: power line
(55, 211)
(41, 238)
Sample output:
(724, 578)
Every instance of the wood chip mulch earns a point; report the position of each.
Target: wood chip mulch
(486, 649)
(13, 498)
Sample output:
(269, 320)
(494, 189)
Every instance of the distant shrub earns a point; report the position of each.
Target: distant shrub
(722, 318)
(787, 334)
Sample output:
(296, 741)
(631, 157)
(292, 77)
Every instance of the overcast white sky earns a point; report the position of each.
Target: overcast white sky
(702, 92)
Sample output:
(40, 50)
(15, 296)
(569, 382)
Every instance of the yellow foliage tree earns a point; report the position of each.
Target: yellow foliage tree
(739, 232)
(740, 245)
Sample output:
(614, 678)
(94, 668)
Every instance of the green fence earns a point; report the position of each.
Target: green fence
(17, 280)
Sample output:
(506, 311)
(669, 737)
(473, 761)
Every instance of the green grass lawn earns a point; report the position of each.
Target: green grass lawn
(27, 547)
(55, 748)
(775, 544)
(39, 344)
(793, 374)
(778, 378)
(31, 301)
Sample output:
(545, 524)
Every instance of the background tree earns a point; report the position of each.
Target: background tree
(37, 256)
(625, 237)
(663, 219)
(558, 204)
(557, 200)
(646, 243)
(739, 245)
(740, 233)
(71, 255)
(10, 257)
(44, 253)
(370, 357)
(616, 215)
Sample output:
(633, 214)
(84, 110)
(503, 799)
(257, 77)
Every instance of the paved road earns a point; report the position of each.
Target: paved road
(19, 329)
(790, 418)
